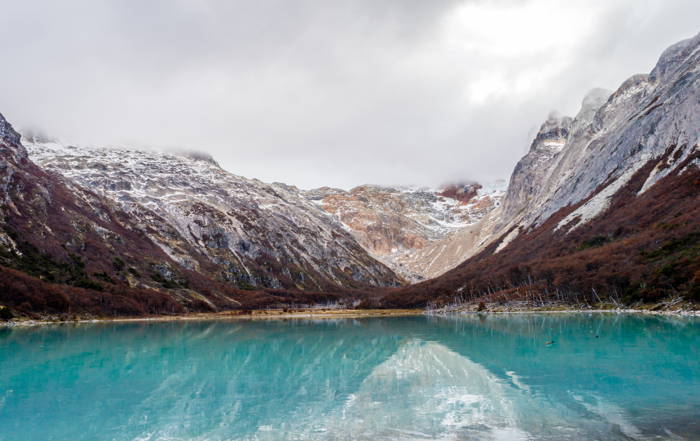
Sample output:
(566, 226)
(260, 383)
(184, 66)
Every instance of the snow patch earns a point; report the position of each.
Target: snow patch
(600, 202)
(508, 239)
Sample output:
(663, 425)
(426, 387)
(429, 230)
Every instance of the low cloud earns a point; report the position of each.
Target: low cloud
(325, 93)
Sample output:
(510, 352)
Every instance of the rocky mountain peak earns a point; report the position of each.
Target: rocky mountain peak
(534, 170)
(673, 57)
(317, 194)
(530, 172)
(591, 104)
(593, 101)
(552, 134)
(646, 118)
(405, 227)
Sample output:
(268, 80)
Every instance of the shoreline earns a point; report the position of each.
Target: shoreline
(256, 315)
(672, 307)
(573, 311)
(330, 313)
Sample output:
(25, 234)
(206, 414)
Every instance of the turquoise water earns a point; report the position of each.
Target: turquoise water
(494, 377)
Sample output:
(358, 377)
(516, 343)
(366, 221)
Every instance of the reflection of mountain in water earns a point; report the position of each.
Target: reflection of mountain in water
(426, 391)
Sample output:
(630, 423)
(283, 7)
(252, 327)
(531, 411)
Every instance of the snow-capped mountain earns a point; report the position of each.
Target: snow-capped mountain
(592, 156)
(604, 202)
(66, 250)
(250, 233)
(410, 229)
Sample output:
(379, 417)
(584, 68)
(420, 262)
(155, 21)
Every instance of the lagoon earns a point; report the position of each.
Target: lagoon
(575, 376)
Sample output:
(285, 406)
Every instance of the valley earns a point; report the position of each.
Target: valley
(603, 207)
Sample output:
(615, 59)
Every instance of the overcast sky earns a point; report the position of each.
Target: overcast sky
(324, 92)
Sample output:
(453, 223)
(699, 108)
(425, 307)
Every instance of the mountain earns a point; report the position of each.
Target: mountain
(410, 229)
(107, 231)
(251, 233)
(604, 204)
(62, 246)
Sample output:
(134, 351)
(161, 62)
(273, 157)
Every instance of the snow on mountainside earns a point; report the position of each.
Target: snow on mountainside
(66, 250)
(254, 234)
(416, 231)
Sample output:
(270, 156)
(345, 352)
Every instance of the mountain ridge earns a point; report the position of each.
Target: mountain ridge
(255, 233)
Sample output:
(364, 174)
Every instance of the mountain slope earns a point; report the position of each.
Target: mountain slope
(238, 230)
(604, 204)
(63, 246)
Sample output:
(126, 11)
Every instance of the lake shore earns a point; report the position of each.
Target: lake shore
(670, 308)
(263, 314)
(676, 307)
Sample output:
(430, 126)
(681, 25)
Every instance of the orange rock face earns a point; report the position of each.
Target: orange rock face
(393, 223)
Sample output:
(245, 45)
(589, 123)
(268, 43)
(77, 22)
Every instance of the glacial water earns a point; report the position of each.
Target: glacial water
(492, 377)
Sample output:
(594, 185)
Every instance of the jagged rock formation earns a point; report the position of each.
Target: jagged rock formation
(415, 231)
(606, 202)
(248, 233)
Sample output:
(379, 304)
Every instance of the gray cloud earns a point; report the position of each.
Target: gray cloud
(325, 93)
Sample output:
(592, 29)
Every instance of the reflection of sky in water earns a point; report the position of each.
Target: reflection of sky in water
(484, 378)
